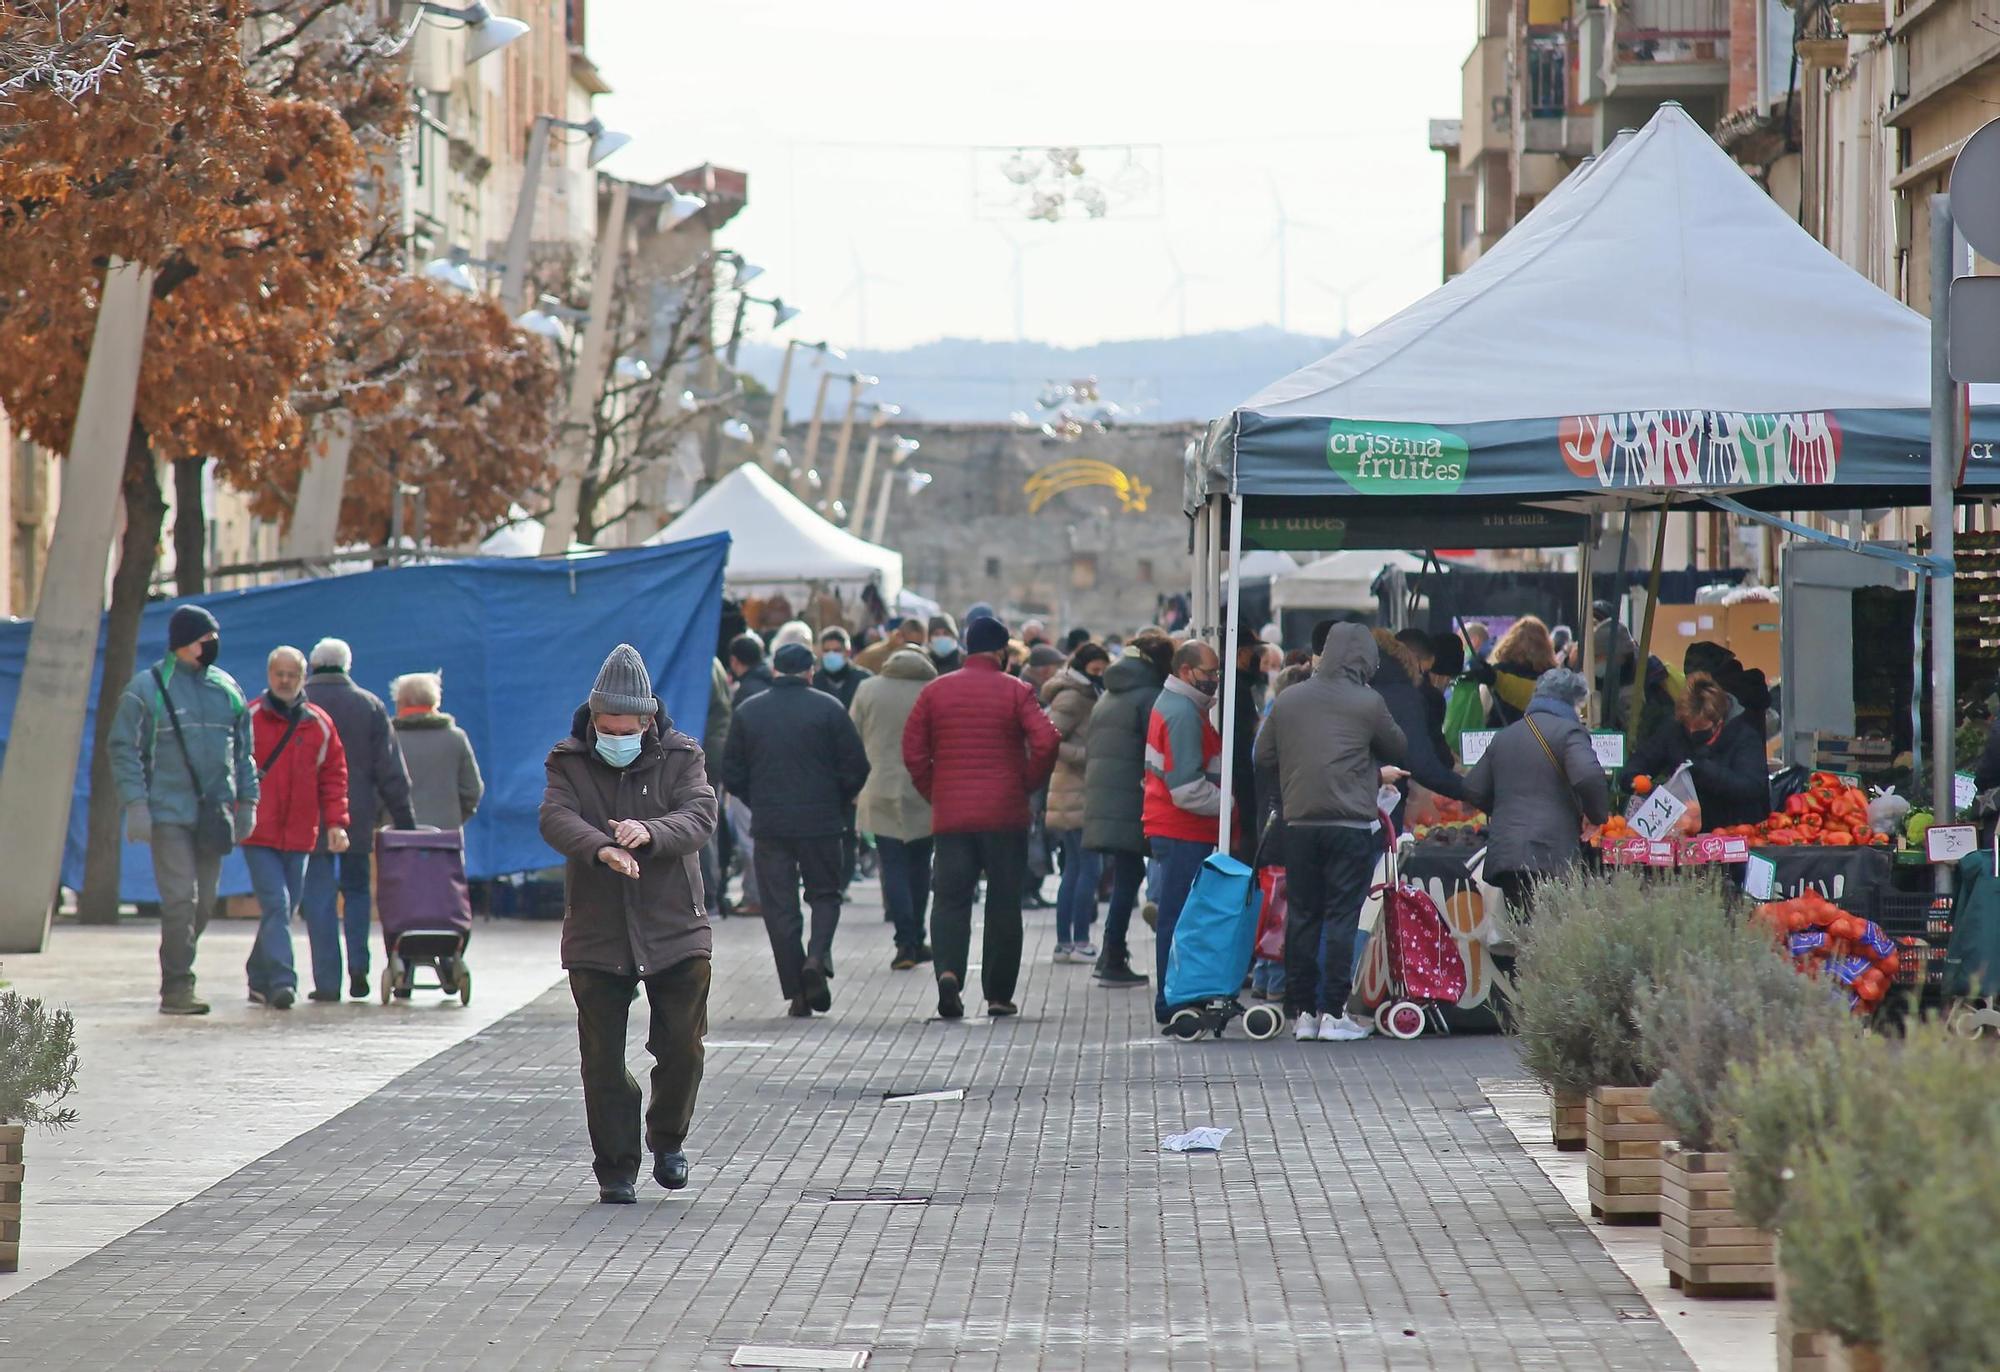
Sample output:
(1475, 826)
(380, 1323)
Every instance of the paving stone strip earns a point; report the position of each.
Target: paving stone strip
(1368, 1211)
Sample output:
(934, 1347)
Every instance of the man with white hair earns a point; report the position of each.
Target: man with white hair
(445, 785)
(376, 778)
(302, 801)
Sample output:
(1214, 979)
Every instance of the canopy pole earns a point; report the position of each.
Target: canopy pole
(1230, 684)
(1917, 684)
(1645, 645)
(1605, 689)
(1198, 600)
(1945, 450)
(1584, 554)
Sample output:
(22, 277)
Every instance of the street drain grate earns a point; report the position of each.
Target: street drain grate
(774, 1355)
(919, 1097)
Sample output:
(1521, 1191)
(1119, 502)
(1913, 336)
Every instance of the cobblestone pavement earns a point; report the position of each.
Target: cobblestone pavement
(1369, 1211)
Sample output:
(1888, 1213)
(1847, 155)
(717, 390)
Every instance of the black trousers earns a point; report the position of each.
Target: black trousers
(1327, 871)
(958, 861)
(782, 864)
(678, 1000)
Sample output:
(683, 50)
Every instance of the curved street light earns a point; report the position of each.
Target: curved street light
(490, 32)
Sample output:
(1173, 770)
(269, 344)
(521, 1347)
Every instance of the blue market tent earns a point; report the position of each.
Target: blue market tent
(518, 643)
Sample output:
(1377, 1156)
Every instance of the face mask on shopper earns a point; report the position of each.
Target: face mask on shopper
(944, 645)
(833, 662)
(210, 651)
(620, 750)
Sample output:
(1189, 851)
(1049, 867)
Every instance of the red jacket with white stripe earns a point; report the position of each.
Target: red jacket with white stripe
(307, 784)
(1183, 768)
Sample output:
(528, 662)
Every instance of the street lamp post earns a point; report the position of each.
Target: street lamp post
(603, 142)
(776, 426)
(856, 383)
(857, 511)
(812, 429)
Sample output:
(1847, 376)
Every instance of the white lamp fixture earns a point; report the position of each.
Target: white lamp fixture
(746, 272)
(783, 314)
(689, 404)
(736, 430)
(490, 32)
(782, 459)
(679, 208)
(906, 446)
(629, 368)
(542, 324)
(603, 141)
(446, 272)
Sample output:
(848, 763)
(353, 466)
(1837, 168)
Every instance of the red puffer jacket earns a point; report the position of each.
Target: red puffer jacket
(977, 744)
(306, 786)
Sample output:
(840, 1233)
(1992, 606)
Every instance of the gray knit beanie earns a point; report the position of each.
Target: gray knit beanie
(1562, 684)
(623, 686)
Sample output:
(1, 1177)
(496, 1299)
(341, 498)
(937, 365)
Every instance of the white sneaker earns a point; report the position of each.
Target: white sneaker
(1341, 1029)
(1307, 1029)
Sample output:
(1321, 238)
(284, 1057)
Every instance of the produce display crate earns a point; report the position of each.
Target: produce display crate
(1920, 923)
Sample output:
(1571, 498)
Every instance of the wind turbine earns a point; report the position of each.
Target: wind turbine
(1344, 294)
(1281, 237)
(857, 286)
(1178, 292)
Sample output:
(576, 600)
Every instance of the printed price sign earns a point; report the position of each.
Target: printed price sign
(1473, 743)
(1950, 842)
(1609, 747)
(1964, 790)
(1655, 819)
(1659, 853)
(1760, 877)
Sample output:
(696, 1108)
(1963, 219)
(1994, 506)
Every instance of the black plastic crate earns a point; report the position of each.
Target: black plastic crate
(1920, 924)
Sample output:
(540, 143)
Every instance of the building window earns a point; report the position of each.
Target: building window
(992, 569)
(1465, 223)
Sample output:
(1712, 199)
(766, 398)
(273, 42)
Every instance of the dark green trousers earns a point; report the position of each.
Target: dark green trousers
(678, 1000)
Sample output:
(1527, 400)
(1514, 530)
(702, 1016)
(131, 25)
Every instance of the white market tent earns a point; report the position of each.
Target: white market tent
(778, 542)
(1339, 581)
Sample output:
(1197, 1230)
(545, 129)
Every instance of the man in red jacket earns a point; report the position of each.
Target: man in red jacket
(977, 745)
(302, 785)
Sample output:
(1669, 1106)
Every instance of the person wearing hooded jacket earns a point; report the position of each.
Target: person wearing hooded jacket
(1329, 745)
(889, 807)
(1538, 781)
(797, 760)
(628, 805)
(1068, 698)
(1114, 790)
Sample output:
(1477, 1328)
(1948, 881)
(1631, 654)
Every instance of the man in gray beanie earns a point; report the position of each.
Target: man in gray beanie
(628, 805)
(1538, 781)
(796, 758)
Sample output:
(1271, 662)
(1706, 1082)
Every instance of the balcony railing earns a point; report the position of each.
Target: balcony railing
(1548, 59)
(1669, 31)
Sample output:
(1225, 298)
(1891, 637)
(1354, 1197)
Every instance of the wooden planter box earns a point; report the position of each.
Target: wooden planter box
(1799, 1350)
(11, 1137)
(1708, 1250)
(1849, 1357)
(1622, 1138)
(1566, 1123)
(1822, 53)
(1868, 18)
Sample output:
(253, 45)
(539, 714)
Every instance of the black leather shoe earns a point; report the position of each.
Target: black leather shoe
(324, 997)
(903, 961)
(1001, 1009)
(799, 1009)
(618, 1193)
(813, 978)
(671, 1170)
(949, 1004)
(357, 987)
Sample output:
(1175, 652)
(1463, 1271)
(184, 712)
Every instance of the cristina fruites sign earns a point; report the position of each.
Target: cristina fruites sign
(1667, 448)
(1397, 459)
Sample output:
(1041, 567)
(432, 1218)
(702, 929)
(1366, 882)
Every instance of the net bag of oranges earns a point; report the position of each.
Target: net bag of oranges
(1825, 940)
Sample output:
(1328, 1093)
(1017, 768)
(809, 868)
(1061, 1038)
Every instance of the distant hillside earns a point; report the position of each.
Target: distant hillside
(1196, 377)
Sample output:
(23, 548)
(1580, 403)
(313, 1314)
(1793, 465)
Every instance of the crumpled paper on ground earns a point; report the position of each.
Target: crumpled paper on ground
(1203, 1140)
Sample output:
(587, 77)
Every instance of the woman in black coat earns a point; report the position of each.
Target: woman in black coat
(1711, 732)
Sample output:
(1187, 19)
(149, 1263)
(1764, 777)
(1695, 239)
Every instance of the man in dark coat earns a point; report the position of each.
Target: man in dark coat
(628, 805)
(752, 675)
(376, 779)
(1114, 781)
(836, 674)
(978, 745)
(797, 759)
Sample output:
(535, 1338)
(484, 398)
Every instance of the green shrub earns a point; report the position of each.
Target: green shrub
(1593, 945)
(1719, 1008)
(1775, 1103)
(1940, 1287)
(37, 1062)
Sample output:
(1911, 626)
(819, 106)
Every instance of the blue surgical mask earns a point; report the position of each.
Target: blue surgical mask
(944, 645)
(833, 662)
(620, 750)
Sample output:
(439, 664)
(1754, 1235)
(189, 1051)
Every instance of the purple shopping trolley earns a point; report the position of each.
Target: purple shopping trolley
(426, 914)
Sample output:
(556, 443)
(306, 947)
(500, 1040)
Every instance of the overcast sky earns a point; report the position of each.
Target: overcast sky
(873, 212)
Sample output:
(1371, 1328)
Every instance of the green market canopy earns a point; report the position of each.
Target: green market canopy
(1656, 327)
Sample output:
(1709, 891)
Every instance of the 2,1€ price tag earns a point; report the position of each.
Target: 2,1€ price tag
(1655, 819)
(1473, 743)
(1950, 842)
(1760, 877)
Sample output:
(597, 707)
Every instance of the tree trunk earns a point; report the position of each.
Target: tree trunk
(190, 528)
(586, 510)
(138, 552)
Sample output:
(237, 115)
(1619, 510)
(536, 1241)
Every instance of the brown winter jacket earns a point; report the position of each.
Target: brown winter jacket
(614, 923)
(1067, 699)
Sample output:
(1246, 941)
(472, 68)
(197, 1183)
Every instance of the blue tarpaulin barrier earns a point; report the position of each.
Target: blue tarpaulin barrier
(518, 641)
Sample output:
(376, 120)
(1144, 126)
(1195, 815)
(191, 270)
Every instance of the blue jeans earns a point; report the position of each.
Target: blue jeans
(905, 870)
(1076, 894)
(277, 878)
(1128, 873)
(1178, 861)
(344, 875)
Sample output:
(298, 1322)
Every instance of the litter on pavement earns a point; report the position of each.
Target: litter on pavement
(1205, 1139)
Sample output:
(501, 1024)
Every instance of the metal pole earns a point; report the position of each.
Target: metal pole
(1230, 684)
(853, 520)
(855, 384)
(809, 460)
(1945, 448)
(1645, 644)
(47, 736)
(775, 425)
(1586, 629)
(574, 447)
(514, 281)
(882, 504)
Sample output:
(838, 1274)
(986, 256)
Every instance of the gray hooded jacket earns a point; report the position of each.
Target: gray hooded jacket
(1329, 736)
